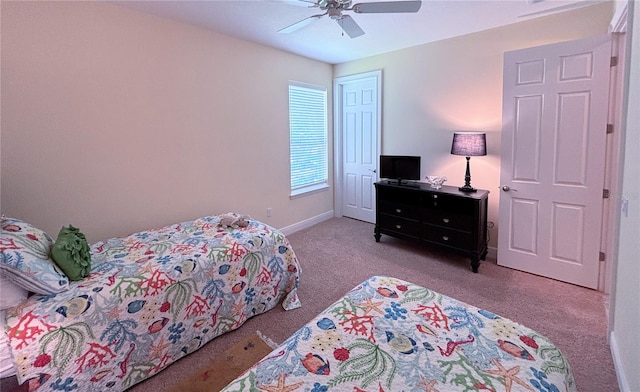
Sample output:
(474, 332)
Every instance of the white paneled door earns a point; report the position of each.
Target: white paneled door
(359, 129)
(554, 124)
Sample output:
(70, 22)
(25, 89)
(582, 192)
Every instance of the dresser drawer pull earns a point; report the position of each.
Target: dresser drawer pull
(445, 220)
(398, 210)
(444, 237)
(398, 227)
(435, 196)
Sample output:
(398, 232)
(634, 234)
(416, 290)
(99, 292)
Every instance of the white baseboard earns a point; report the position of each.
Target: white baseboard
(492, 254)
(307, 223)
(617, 364)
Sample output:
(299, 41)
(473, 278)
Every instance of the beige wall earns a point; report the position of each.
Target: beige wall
(116, 121)
(456, 85)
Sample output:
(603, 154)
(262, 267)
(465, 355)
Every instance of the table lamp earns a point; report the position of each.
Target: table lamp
(469, 144)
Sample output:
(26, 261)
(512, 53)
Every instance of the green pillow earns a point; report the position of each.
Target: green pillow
(71, 253)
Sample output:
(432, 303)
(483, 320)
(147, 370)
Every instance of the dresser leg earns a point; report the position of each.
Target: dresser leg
(475, 263)
(376, 234)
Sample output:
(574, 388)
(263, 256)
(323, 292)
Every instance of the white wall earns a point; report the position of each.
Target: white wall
(625, 309)
(456, 85)
(117, 121)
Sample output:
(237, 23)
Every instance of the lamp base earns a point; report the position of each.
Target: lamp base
(467, 188)
(467, 180)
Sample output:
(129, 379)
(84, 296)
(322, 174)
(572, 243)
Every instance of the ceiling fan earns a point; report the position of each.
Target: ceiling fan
(335, 8)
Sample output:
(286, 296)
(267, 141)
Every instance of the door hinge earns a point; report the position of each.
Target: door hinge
(605, 193)
(609, 128)
(601, 256)
(614, 61)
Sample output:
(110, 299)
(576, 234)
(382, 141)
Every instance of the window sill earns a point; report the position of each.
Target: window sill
(308, 190)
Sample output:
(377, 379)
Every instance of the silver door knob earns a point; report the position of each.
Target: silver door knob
(506, 188)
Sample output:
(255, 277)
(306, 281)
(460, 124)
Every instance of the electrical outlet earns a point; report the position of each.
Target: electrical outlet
(269, 212)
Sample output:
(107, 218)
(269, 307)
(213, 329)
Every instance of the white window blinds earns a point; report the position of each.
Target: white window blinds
(308, 137)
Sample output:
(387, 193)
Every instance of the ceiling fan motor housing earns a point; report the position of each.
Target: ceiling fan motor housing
(335, 13)
(334, 4)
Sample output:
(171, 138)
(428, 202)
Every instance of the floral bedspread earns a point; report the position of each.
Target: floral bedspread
(150, 299)
(391, 335)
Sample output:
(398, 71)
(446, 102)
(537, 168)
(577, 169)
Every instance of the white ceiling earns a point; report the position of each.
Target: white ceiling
(260, 20)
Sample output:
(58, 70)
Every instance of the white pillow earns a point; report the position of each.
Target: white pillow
(25, 258)
(10, 293)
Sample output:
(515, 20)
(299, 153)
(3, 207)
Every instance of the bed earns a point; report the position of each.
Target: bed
(390, 335)
(149, 299)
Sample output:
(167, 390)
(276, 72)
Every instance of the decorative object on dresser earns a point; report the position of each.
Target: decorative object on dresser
(436, 182)
(469, 144)
(445, 217)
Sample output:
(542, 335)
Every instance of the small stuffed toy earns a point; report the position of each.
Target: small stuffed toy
(234, 221)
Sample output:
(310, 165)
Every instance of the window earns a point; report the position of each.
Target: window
(308, 138)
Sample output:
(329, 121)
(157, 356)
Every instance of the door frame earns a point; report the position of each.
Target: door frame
(613, 168)
(611, 210)
(338, 170)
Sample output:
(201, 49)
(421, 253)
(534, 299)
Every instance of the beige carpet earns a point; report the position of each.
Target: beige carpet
(340, 253)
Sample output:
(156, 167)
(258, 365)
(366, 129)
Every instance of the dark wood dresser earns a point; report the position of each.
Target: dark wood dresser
(444, 217)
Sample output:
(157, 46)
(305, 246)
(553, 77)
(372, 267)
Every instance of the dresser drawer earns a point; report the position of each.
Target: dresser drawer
(452, 220)
(399, 209)
(399, 225)
(402, 196)
(449, 237)
(439, 202)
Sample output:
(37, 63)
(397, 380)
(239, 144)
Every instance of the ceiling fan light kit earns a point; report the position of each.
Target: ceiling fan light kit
(334, 9)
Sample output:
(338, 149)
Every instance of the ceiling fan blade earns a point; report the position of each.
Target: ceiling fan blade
(565, 7)
(298, 25)
(350, 26)
(387, 6)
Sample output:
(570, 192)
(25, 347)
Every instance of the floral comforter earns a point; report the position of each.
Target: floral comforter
(391, 335)
(151, 298)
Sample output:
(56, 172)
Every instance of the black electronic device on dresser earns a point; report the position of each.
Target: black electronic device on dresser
(445, 217)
